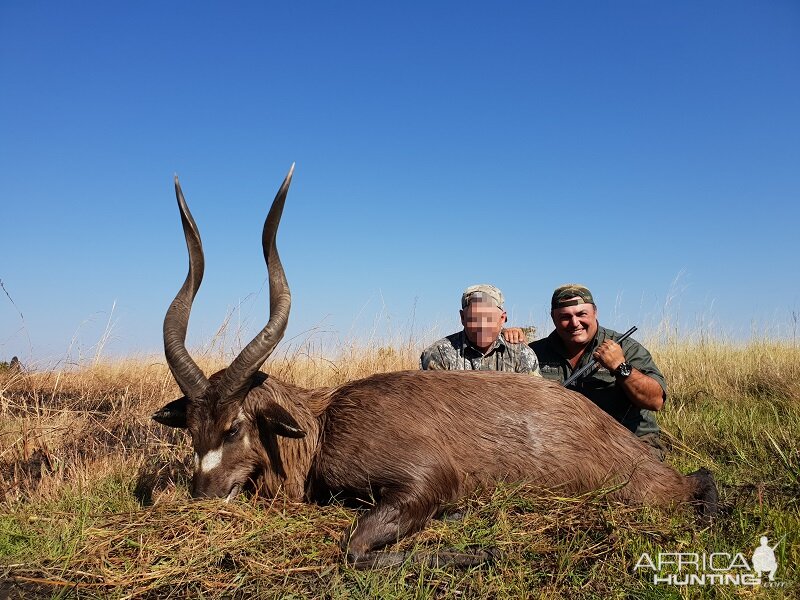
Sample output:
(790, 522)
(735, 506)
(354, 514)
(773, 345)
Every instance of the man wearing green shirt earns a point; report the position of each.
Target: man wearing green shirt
(628, 384)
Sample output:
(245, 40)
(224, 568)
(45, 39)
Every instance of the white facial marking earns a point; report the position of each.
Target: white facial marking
(246, 440)
(196, 461)
(211, 460)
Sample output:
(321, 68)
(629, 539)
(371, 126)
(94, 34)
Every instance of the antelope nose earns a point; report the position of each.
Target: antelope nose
(201, 489)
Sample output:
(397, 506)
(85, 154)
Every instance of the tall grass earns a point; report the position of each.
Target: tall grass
(94, 501)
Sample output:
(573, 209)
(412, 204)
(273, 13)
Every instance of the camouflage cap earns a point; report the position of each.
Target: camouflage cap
(563, 296)
(482, 293)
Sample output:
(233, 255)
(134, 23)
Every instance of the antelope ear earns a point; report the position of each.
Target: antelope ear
(173, 414)
(277, 420)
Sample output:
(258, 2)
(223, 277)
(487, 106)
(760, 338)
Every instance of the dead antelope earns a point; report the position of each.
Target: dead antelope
(411, 441)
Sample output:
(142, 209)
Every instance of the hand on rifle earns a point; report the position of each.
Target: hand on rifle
(607, 347)
(609, 354)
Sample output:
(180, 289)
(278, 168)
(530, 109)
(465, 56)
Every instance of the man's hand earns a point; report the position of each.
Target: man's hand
(609, 354)
(515, 335)
(642, 390)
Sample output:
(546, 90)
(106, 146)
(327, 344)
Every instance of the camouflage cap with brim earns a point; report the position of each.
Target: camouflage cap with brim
(571, 294)
(482, 293)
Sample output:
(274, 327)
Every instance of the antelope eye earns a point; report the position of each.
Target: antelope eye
(232, 432)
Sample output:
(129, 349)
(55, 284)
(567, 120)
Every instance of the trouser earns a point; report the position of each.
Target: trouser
(655, 445)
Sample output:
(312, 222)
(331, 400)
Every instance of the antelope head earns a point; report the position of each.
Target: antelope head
(232, 415)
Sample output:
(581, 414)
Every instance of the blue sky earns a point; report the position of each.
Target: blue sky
(650, 150)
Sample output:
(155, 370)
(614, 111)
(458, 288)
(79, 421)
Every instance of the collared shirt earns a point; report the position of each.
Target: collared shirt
(601, 387)
(456, 353)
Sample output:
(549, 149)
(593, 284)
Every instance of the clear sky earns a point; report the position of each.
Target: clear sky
(650, 150)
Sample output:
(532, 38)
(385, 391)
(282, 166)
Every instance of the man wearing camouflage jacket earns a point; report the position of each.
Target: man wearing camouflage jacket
(480, 346)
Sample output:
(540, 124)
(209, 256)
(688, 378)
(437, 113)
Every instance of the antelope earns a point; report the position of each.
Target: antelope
(412, 442)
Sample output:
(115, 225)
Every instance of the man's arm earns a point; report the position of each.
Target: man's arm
(527, 362)
(642, 390)
(425, 361)
(434, 357)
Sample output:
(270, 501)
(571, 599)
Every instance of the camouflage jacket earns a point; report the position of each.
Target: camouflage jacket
(456, 353)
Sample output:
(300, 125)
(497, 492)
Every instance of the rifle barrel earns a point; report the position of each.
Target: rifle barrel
(592, 364)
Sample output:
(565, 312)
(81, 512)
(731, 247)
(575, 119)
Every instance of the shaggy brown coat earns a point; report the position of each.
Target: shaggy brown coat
(410, 442)
(413, 442)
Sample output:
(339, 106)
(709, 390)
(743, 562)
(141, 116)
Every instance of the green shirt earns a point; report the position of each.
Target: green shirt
(601, 387)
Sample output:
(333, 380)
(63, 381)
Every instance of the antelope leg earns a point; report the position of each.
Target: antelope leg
(387, 522)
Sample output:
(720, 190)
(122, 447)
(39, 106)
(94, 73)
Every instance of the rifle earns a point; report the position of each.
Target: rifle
(593, 365)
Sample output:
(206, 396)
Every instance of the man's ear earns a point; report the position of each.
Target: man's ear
(173, 414)
(276, 420)
(503, 318)
(463, 319)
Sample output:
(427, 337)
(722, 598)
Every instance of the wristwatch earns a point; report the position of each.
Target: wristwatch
(623, 370)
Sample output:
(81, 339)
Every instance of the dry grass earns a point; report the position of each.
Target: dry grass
(760, 369)
(93, 494)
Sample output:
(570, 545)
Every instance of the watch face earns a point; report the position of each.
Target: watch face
(624, 370)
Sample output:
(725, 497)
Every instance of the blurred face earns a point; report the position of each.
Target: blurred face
(482, 323)
(575, 325)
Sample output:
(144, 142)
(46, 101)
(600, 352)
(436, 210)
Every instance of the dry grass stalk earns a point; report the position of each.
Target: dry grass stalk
(93, 495)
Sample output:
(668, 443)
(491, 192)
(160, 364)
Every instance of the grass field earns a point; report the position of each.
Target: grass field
(94, 500)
